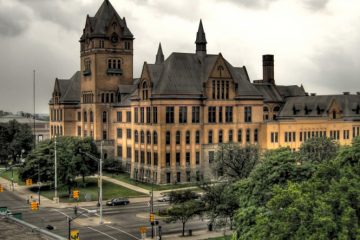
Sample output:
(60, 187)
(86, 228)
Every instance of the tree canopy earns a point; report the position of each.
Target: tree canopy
(71, 163)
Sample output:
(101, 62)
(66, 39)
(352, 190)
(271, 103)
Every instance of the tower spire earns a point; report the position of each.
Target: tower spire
(159, 55)
(200, 39)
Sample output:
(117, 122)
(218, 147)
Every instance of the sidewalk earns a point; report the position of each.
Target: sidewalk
(196, 235)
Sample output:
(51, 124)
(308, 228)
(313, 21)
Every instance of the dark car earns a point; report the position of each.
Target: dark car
(118, 201)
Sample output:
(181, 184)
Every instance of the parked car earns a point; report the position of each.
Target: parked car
(164, 199)
(118, 201)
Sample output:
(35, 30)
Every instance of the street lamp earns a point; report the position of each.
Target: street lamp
(56, 199)
(100, 177)
(152, 205)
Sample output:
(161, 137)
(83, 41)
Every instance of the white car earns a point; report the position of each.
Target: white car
(164, 199)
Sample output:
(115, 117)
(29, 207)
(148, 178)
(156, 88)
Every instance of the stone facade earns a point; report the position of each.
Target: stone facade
(167, 124)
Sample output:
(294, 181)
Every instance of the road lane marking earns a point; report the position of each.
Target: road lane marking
(86, 209)
(129, 234)
(102, 233)
(61, 213)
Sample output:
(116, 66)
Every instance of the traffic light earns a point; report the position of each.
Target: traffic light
(74, 235)
(152, 217)
(1, 188)
(76, 194)
(29, 182)
(34, 206)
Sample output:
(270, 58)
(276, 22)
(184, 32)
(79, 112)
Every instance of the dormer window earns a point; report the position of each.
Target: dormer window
(114, 66)
(307, 110)
(87, 67)
(127, 45)
(334, 114)
(145, 91)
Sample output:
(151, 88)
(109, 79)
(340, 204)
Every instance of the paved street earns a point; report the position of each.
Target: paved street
(121, 222)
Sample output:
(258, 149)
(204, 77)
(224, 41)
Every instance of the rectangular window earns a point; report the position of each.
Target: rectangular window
(148, 158)
(168, 157)
(188, 176)
(182, 114)
(167, 138)
(128, 152)
(197, 137)
(255, 136)
(247, 114)
(294, 136)
(156, 158)
(142, 157)
(211, 156)
(155, 115)
(136, 116)
(78, 131)
(229, 114)
(136, 156)
(240, 135)
(230, 135)
(128, 133)
(148, 116)
(218, 89)
(211, 114)
(187, 137)
(197, 158)
(286, 137)
(119, 151)
(104, 135)
(195, 114)
(187, 158)
(220, 114)
(227, 89)
(220, 136)
(210, 137)
(79, 116)
(213, 89)
(169, 114)
(128, 116)
(247, 135)
(302, 134)
(119, 133)
(177, 159)
(274, 137)
(119, 116)
(142, 117)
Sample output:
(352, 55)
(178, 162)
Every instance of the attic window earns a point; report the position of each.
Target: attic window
(319, 110)
(276, 109)
(127, 45)
(356, 109)
(220, 69)
(307, 110)
(145, 91)
(334, 114)
(295, 110)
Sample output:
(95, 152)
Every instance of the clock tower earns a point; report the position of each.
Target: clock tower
(106, 63)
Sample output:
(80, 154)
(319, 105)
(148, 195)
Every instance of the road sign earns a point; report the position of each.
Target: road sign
(74, 235)
(28, 182)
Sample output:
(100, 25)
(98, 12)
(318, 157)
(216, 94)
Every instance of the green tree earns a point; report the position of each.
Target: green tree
(184, 212)
(71, 163)
(182, 196)
(318, 149)
(14, 138)
(112, 166)
(234, 162)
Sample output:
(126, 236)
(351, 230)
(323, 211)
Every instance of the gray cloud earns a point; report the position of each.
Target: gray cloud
(260, 4)
(13, 20)
(316, 5)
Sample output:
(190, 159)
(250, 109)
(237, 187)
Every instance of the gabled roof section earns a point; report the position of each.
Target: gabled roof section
(102, 19)
(68, 89)
(269, 92)
(291, 91)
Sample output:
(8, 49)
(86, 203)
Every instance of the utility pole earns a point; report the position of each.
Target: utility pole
(56, 195)
(100, 182)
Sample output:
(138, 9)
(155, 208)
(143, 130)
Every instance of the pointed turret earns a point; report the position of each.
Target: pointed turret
(200, 39)
(159, 55)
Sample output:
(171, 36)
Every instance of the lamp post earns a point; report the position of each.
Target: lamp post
(100, 178)
(55, 184)
(152, 205)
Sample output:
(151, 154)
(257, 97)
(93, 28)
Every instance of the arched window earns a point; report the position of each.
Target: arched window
(136, 136)
(107, 97)
(231, 135)
(266, 109)
(102, 97)
(85, 116)
(187, 138)
(148, 137)
(155, 136)
(118, 64)
(248, 135)
(114, 64)
(111, 97)
(220, 136)
(109, 63)
(142, 137)
(178, 136)
(255, 136)
(197, 137)
(167, 139)
(334, 114)
(276, 108)
(210, 137)
(104, 117)
(91, 116)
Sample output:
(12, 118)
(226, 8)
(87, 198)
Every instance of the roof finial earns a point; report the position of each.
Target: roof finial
(159, 55)
(200, 39)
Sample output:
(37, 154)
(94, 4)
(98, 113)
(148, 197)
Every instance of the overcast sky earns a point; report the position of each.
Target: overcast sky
(315, 42)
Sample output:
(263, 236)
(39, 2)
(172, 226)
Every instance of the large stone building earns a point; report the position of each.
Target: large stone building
(167, 124)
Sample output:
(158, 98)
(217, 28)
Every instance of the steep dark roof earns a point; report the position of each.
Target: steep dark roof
(200, 36)
(68, 89)
(318, 106)
(291, 91)
(269, 92)
(183, 74)
(100, 22)
(159, 55)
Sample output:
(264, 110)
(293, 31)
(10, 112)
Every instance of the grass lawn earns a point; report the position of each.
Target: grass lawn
(89, 191)
(125, 177)
(7, 175)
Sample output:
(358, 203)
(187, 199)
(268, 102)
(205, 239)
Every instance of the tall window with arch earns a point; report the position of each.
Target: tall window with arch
(104, 117)
(145, 91)
(155, 138)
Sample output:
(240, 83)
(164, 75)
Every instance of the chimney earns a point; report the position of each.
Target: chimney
(313, 94)
(357, 93)
(268, 68)
(346, 93)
